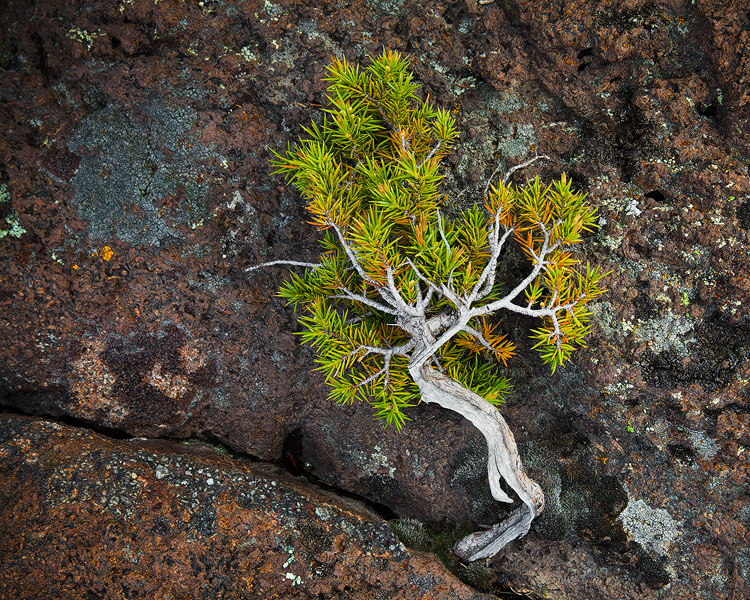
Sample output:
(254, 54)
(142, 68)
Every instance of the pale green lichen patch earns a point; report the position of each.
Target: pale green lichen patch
(664, 333)
(144, 174)
(652, 528)
(14, 224)
(704, 445)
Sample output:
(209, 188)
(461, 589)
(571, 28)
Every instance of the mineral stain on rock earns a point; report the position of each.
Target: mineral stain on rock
(120, 382)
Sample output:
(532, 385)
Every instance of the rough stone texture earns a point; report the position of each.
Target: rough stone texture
(134, 149)
(85, 516)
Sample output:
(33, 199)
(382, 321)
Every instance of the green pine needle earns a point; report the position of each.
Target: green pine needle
(371, 173)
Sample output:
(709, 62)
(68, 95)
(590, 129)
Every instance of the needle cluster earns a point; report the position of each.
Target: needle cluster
(399, 285)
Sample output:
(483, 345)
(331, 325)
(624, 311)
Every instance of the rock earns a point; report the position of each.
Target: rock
(134, 154)
(83, 515)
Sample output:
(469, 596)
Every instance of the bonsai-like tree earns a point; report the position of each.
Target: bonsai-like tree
(399, 305)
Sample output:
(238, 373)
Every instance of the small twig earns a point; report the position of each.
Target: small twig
(379, 107)
(431, 286)
(398, 301)
(404, 143)
(489, 180)
(432, 153)
(387, 354)
(352, 256)
(510, 171)
(507, 301)
(358, 318)
(349, 295)
(293, 263)
(487, 280)
(524, 164)
(480, 338)
(442, 233)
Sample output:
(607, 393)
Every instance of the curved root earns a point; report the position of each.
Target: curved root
(503, 463)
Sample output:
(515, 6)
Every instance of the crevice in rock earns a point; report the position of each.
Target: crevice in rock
(117, 434)
(291, 461)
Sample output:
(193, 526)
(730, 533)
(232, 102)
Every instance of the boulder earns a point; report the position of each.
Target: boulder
(84, 516)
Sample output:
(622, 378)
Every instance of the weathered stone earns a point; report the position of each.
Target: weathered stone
(86, 515)
(134, 151)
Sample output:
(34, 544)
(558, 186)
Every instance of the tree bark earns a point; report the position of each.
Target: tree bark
(504, 461)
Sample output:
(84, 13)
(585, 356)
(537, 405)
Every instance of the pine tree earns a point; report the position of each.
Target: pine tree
(399, 305)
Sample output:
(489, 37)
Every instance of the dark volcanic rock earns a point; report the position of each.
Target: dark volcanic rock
(86, 516)
(133, 155)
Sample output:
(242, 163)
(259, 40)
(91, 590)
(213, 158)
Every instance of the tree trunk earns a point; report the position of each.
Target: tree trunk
(503, 462)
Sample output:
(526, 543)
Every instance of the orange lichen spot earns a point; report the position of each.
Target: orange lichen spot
(76, 267)
(107, 253)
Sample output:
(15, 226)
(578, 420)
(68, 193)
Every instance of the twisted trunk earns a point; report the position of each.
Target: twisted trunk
(504, 461)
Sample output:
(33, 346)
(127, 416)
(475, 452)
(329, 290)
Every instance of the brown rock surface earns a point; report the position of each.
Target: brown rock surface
(84, 516)
(134, 152)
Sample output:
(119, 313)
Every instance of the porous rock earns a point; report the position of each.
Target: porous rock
(134, 153)
(87, 516)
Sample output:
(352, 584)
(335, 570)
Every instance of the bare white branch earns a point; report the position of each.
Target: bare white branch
(507, 301)
(479, 337)
(390, 294)
(487, 280)
(349, 295)
(398, 300)
(358, 318)
(523, 165)
(428, 158)
(489, 181)
(428, 297)
(420, 305)
(388, 354)
(510, 172)
(447, 291)
(442, 233)
(551, 313)
(402, 350)
(291, 263)
(352, 256)
(432, 286)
